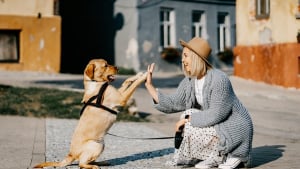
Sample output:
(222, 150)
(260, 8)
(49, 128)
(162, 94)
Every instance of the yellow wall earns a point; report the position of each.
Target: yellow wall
(40, 38)
(267, 49)
(39, 42)
(281, 27)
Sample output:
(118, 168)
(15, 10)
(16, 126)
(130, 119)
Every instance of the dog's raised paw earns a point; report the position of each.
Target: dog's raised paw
(139, 73)
(145, 75)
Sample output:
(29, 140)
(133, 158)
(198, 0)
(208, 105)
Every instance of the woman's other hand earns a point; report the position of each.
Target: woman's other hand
(180, 124)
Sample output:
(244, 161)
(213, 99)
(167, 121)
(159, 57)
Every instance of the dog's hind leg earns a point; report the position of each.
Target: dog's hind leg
(88, 166)
(85, 160)
(67, 161)
(92, 151)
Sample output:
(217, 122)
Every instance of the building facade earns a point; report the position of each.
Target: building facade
(267, 48)
(150, 30)
(29, 36)
(62, 36)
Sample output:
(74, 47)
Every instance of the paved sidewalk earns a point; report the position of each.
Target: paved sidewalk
(22, 142)
(25, 141)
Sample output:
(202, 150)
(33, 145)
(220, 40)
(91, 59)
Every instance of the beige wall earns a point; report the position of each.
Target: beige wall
(281, 27)
(26, 7)
(267, 49)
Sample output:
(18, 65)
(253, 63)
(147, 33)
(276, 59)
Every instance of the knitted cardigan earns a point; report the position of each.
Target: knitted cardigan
(221, 108)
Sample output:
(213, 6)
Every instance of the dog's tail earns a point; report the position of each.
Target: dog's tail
(68, 160)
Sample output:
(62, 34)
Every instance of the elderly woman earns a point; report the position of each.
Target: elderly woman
(218, 130)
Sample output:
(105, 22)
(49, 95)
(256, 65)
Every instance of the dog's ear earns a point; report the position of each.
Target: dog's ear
(89, 71)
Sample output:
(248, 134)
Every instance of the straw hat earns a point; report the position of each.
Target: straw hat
(200, 46)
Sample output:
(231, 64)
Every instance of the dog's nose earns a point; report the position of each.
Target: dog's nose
(117, 68)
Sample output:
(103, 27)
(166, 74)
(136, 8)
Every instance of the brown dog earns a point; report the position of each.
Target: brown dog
(88, 138)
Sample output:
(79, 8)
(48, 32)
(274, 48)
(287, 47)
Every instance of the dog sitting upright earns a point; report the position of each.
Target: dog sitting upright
(98, 114)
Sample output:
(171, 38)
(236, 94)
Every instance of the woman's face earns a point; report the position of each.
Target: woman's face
(186, 59)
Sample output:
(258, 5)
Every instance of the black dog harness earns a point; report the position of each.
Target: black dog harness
(98, 103)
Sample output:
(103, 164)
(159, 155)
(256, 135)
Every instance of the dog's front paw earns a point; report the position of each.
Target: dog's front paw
(144, 75)
(139, 74)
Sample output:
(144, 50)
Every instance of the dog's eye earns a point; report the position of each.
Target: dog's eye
(105, 65)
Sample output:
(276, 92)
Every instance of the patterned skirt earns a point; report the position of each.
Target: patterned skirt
(197, 144)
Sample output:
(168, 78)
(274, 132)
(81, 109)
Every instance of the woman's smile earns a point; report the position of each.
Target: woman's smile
(186, 59)
(186, 66)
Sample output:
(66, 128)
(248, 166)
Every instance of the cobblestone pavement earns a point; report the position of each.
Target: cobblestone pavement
(119, 152)
(24, 141)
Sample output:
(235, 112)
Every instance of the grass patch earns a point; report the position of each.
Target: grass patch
(44, 102)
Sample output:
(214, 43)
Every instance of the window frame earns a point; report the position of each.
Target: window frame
(260, 11)
(167, 27)
(201, 24)
(14, 46)
(298, 11)
(224, 32)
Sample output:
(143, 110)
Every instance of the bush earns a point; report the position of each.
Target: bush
(170, 54)
(126, 71)
(226, 56)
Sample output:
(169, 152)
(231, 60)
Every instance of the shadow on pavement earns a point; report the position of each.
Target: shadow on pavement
(266, 154)
(135, 157)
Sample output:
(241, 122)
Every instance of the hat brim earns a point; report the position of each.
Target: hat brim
(184, 44)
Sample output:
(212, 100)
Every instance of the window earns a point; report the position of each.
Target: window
(223, 31)
(199, 24)
(56, 7)
(298, 11)
(262, 9)
(9, 45)
(167, 27)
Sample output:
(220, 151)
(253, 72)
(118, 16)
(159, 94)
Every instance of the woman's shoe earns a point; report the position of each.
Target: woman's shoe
(206, 164)
(230, 163)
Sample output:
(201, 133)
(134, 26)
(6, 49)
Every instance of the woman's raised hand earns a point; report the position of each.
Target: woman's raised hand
(149, 74)
(152, 91)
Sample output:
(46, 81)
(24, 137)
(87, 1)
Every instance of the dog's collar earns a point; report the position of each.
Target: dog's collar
(98, 103)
